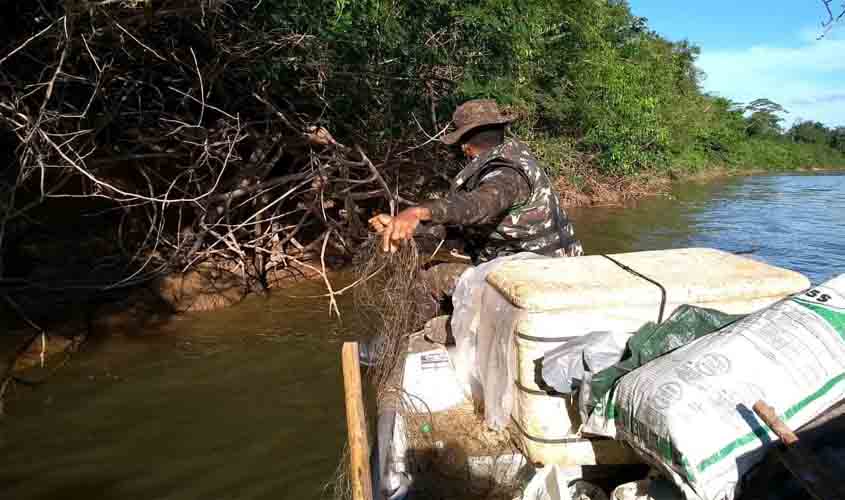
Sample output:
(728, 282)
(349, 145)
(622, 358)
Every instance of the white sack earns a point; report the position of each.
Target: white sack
(689, 412)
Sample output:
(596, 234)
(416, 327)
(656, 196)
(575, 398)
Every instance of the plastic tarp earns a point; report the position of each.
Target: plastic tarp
(565, 366)
(651, 341)
(482, 324)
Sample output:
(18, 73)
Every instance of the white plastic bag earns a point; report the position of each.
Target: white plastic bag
(480, 317)
(564, 366)
(431, 381)
(554, 483)
(647, 489)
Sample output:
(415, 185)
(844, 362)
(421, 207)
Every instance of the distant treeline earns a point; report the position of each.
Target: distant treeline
(586, 77)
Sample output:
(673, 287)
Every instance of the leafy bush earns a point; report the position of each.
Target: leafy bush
(587, 71)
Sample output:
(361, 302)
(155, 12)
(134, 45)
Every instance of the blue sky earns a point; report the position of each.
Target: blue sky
(760, 48)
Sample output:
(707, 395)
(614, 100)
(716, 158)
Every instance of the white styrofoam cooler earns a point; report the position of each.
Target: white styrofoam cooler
(564, 298)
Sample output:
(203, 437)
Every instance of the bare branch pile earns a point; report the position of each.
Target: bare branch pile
(161, 116)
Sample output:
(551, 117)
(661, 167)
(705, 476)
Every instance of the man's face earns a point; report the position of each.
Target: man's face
(468, 151)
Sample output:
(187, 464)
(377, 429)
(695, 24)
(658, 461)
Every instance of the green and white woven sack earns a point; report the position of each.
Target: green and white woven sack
(689, 412)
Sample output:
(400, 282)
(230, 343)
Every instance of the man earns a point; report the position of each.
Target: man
(503, 201)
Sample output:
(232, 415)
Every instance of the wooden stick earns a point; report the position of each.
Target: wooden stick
(767, 414)
(356, 424)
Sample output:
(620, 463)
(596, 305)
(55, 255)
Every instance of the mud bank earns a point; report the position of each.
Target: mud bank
(210, 288)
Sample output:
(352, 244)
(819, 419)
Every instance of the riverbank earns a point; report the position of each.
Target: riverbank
(583, 180)
(195, 292)
(207, 288)
(258, 178)
(585, 190)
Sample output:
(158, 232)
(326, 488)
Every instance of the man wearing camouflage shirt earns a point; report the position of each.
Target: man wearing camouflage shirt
(503, 201)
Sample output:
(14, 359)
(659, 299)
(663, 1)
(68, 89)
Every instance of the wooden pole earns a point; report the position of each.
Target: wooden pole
(356, 424)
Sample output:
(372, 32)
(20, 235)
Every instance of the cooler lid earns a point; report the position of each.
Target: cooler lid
(691, 275)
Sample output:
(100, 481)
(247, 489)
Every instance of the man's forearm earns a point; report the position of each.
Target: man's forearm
(466, 208)
(484, 205)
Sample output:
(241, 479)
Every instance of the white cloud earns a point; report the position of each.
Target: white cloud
(808, 79)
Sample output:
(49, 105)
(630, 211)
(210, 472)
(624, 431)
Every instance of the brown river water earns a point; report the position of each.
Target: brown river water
(246, 403)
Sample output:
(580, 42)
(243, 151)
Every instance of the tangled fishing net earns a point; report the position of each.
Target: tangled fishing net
(386, 303)
(441, 445)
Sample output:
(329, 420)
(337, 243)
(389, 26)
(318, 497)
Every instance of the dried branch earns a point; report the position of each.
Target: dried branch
(832, 17)
(206, 165)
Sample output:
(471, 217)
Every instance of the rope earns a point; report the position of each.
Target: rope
(542, 440)
(640, 275)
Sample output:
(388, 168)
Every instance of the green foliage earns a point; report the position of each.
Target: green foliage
(837, 139)
(810, 132)
(764, 123)
(779, 154)
(621, 117)
(558, 154)
(587, 72)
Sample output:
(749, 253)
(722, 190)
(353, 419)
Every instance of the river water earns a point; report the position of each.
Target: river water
(246, 403)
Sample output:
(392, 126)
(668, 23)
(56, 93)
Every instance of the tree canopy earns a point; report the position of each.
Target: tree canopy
(585, 69)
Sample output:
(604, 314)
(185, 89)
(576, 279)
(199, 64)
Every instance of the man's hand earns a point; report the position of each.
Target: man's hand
(395, 230)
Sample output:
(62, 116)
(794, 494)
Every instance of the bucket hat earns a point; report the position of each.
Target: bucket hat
(472, 115)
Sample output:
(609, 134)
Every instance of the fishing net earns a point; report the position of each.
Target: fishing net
(339, 487)
(385, 301)
(451, 454)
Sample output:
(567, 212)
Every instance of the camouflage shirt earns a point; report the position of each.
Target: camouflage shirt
(505, 204)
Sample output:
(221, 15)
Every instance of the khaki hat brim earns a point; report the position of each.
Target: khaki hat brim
(455, 137)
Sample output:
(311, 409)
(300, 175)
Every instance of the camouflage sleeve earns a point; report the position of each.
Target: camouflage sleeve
(500, 189)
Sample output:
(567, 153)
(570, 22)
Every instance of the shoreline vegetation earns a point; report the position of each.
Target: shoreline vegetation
(598, 191)
(151, 147)
(581, 180)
